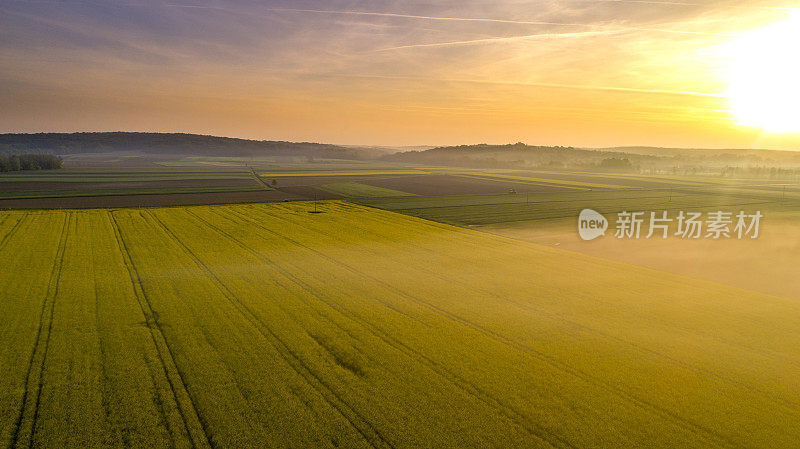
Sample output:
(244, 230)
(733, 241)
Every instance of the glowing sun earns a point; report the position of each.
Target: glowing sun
(764, 76)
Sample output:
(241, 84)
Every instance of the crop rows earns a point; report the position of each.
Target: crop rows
(267, 325)
(504, 211)
(357, 190)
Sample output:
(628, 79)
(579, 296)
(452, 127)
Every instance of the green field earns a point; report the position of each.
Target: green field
(268, 326)
(81, 182)
(397, 187)
(488, 209)
(120, 177)
(127, 191)
(532, 180)
(357, 190)
(335, 172)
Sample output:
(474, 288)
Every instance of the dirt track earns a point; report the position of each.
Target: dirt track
(454, 185)
(174, 199)
(36, 186)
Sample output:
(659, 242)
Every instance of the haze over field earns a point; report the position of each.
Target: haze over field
(267, 326)
(577, 72)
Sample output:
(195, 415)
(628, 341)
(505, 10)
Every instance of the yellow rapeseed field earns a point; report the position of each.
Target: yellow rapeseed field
(269, 326)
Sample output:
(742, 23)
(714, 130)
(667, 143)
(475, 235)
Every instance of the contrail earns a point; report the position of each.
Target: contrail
(176, 5)
(488, 20)
(538, 84)
(623, 89)
(601, 88)
(650, 2)
(219, 8)
(499, 39)
(656, 2)
(414, 16)
(126, 4)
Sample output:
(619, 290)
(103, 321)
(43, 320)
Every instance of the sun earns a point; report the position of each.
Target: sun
(763, 74)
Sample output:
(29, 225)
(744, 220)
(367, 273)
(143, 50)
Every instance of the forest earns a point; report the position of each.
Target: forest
(19, 162)
(168, 143)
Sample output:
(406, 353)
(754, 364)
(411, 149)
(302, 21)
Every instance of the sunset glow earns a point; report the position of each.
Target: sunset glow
(582, 73)
(764, 76)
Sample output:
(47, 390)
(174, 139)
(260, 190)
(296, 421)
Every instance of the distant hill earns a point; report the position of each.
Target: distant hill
(485, 155)
(168, 143)
(519, 155)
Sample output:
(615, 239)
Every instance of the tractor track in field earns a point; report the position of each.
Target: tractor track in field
(289, 279)
(509, 412)
(12, 231)
(708, 435)
(294, 279)
(368, 432)
(32, 395)
(285, 280)
(598, 333)
(454, 379)
(738, 345)
(394, 309)
(587, 329)
(259, 180)
(192, 419)
(647, 405)
(445, 374)
(461, 236)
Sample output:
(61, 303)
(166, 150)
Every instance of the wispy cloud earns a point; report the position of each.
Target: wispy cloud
(670, 3)
(621, 89)
(494, 40)
(471, 68)
(491, 20)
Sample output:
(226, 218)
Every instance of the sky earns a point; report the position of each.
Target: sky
(588, 73)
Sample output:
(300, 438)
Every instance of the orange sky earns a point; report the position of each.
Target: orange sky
(583, 73)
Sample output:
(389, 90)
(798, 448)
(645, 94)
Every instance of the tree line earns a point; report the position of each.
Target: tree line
(18, 162)
(169, 143)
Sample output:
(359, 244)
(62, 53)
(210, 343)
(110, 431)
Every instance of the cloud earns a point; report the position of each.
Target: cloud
(603, 57)
(621, 89)
(493, 40)
(489, 20)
